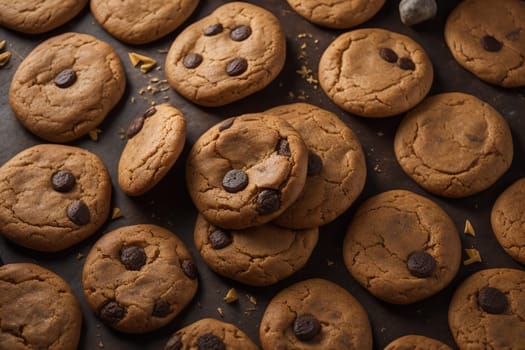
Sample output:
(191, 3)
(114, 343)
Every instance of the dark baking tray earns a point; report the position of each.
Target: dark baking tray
(169, 204)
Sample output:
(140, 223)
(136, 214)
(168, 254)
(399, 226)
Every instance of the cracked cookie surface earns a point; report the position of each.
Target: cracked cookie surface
(38, 309)
(232, 53)
(34, 214)
(344, 322)
(336, 181)
(474, 328)
(66, 112)
(488, 39)
(137, 279)
(359, 79)
(416, 342)
(454, 145)
(385, 231)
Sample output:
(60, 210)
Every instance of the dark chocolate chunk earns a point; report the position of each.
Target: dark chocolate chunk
(513, 36)
(63, 181)
(240, 33)
(149, 112)
(189, 268)
(208, 341)
(66, 78)
(492, 300)
(406, 63)
(112, 312)
(175, 343)
(78, 212)
(234, 180)
(315, 164)
(192, 60)
(213, 29)
(226, 124)
(134, 127)
(490, 43)
(133, 257)
(421, 264)
(237, 66)
(283, 148)
(268, 201)
(161, 308)
(388, 54)
(305, 327)
(220, 239)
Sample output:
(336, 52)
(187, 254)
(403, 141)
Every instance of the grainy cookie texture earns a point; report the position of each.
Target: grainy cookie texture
(454, 145)
(411, 235)
(53, 196)
(66, 86)
(38, 310)
(416, 342)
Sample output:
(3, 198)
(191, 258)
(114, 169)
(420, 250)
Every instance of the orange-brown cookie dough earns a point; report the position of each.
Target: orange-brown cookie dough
(416, 342)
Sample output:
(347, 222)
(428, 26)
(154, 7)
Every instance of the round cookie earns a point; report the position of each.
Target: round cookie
(375, 73)
(336, 166)
(138, 278)
(246, 170)
(66, 86)
(139, 22)
(486, 310)
(209, 333)
(258, 256)
(336, 13)
(38, 309)
(155, 141)
(487, 38)
(27, 17)
(508, 219)
(53, 196)
(234, 52)
(454, 145)
(315, 314)
(416, 342)
(411, 235)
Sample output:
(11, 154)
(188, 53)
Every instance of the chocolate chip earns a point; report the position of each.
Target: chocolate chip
(149, 112)
(421, 264)
(189, 268)
(78, 212)
(490, 43)
(112, 312)
(268, 201)
(134, 127)
(175, 343)
(161, 308)
(234, 180)
(315, 164)
(283, 148)
(492, 300)
(226, 124)
(388, 54)
(240, 33)
(513, 36)
(63, 181)
(220, 239)
(237, 66)
(132, 257)
(209, 341)
(305, 327)
(192, 60)
(406, 63)
(66, 78)
(213, 29)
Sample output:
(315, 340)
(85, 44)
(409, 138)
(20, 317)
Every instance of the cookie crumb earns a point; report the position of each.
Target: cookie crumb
(380, 134)
(4, 58)
(162, 50)
(117, 213)
(248, 311)
(93, 134)
(473, 256)
(329, 262)
(100, 344)
(220, 311)
(80, 256)
(132, 99)
(251, 299)
(469, 229)
(146, 63)
(2, 44)
(377, 169)
(231, 296)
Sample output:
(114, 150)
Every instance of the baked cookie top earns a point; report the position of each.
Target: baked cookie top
(66, 86)
(155, 141)
(29, 17)
(246, 170)
(38, 309)
(411, 235)
(454, 145)
(416, 342)
(315, 314)
(138, 278)
(336, 13)
(375, 72)
(140, 22)
(486, 310)
(488, 39)
(53, 196)
(235, 51)
(336, 166)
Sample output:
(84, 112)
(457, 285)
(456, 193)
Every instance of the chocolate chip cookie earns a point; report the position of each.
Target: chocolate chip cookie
(315, 314)
(53, 196)
(234, 52)
(138, 278)
(487, 38)
(246, 170)
(155, 140)
(416, 342)
(66, 86)
(454, 145)
(375, 72)
(409, 234)
(336, 166)
(38, 309)
(486, 311)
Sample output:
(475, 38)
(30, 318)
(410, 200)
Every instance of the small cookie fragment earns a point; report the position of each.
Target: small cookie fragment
(146, 63)
(469, 229)
(231, 296)
(416, 11)
(4, 58)
(473, 256)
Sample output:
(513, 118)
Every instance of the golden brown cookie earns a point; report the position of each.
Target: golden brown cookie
(155, 141)
(454, 145)
(411, 236)
(488, 39)
(375, 72)
(416, 342)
